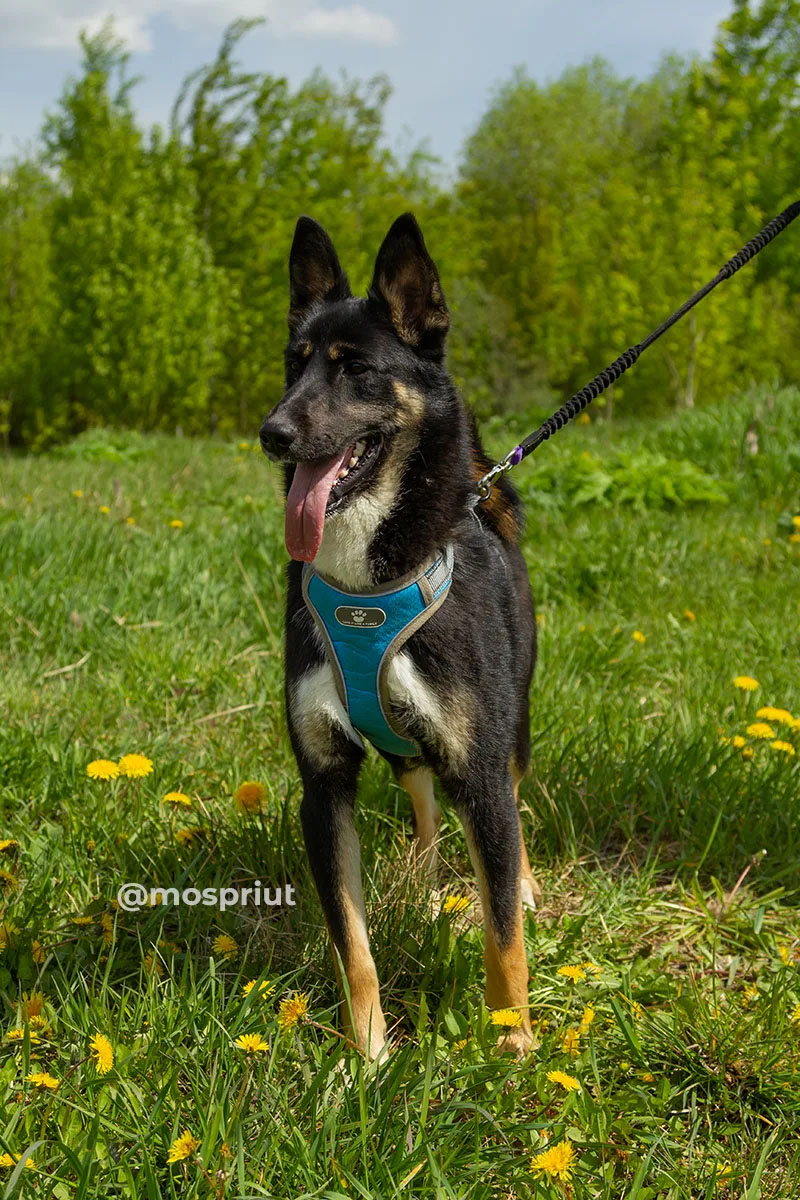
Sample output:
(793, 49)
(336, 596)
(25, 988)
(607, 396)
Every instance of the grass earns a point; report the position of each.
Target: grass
(124, 634)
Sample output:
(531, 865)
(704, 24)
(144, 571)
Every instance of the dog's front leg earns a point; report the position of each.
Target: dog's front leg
(489, 815)
(333, 851)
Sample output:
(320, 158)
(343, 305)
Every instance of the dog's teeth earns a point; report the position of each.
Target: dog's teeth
(359, 448)
(353, 461)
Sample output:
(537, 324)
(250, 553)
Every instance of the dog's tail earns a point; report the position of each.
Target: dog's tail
(502, 512)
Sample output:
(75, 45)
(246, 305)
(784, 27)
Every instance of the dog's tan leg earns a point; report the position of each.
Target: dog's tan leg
(368, 1025)
(504, 948)
(530, 888)
(427, 818)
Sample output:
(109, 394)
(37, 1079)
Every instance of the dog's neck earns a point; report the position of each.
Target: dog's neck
(401, 523)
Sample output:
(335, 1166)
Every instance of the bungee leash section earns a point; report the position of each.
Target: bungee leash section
(577, 403)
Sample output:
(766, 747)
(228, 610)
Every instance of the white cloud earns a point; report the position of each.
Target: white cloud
(55, 24)
(353, 22)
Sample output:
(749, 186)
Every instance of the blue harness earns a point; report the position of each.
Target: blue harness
(363, 632)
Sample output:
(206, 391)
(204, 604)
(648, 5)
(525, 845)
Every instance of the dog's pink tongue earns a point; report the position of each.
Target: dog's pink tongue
(306, 503)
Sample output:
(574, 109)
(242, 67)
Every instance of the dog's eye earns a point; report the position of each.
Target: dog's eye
(354, 366)
(294, 368)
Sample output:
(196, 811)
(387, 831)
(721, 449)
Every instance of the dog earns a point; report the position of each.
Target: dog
(381, 458)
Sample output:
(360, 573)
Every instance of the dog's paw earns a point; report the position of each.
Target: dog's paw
(516, 1041)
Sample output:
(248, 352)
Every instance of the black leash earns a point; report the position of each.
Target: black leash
(577, 403)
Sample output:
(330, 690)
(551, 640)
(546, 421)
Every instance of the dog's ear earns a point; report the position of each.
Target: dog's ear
(314, 271)
(407, 282)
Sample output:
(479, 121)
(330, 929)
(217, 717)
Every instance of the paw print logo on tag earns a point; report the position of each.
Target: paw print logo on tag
(360, 618)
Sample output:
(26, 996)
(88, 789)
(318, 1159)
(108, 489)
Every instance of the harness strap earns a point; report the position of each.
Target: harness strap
(362, 632)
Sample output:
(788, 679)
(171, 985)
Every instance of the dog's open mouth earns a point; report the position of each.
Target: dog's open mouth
(320, 489)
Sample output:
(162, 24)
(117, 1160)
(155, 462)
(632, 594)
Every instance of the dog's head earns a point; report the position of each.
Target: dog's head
(361, 377)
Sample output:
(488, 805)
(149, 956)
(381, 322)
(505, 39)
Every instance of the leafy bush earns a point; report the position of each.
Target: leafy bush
(641, 478)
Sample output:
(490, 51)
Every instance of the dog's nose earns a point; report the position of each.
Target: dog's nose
(277, 435)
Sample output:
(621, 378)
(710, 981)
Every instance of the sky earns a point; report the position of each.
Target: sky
(443, 57)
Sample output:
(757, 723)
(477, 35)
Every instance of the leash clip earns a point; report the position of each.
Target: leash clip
(486, 482)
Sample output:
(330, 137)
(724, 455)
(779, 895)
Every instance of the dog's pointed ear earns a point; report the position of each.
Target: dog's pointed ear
(407, 281)
(314, 271)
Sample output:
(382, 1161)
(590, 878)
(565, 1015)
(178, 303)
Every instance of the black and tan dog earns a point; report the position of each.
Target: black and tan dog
(381, 460)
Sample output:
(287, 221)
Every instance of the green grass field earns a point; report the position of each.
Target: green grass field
(663, 566)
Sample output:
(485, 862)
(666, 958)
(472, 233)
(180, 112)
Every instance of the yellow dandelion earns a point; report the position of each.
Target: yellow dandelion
(102, 768)
(571, 1042)
(573, 974)
(781, 715)
(557, 1162)
(7, 881)
(784, 747)
(568, 1082)
(689, 615)
(224, 1150)
(760, 729)
(750, 994)
(639, 637)
(746, 683)
(11, 1160)
(17, 1035)
(152, 964)
(38, 1022)
(250, 797)
(176, 524)
(37, 952)
(41, 1079)
(739, 741)
(244, 446)
(82, 920)
(462, 1043)
(130, 520)
(637, 1012)
(795, 1015)
(587, 1018)
(785, 955)
(104, 509)
(77, 493)
(584, 419)
(509, 1018)
(107, 926)
(32, 1005)
(796, 522)
(8, 844)
(103, 1053)
(184, 836)
(593, 967)
(135, 766)
(748, 752)
(182, 1147)
(795, 538)
(292, 1010)
(263, 989)
(178, 798)
(455, 904)
(225, 945)
(252, 1043)
(647, 1077)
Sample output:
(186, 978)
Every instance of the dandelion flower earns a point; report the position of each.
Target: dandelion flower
(568, 1082)
(107, 925)
(746, 683)
(178, 798)
(104, 509)
(557, 1162)
(784, 747)
(462, 1043)
(748, 752)
(225, 945)
(250, 797)
(794, 538)
(252, 1043)
(689, 615)
(587, 1018)
(571, 1042)
(82, 920)
(7, 844)
(17, 1035)
(130, 520)
(263, 989)
(32, 1005)
(7, 881)
(593, 967)
(41, 1079)
(739, 741)
(795, 1016)
(102, 768)
(182, 1147)
(574, 974)
(103, 1053)
(750, 994)
(509, 1018)
(77, 493)
(135, 766)
(760, 729)
(176, 524)
(584, 419)
(781, 715)
(292, 1010)
(184, 836)
(11, 1160)
(639, 637)
(455, 904)
(152, 964)
(796, 522)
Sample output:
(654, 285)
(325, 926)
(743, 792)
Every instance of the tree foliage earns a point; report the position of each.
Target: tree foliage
(143, 277)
